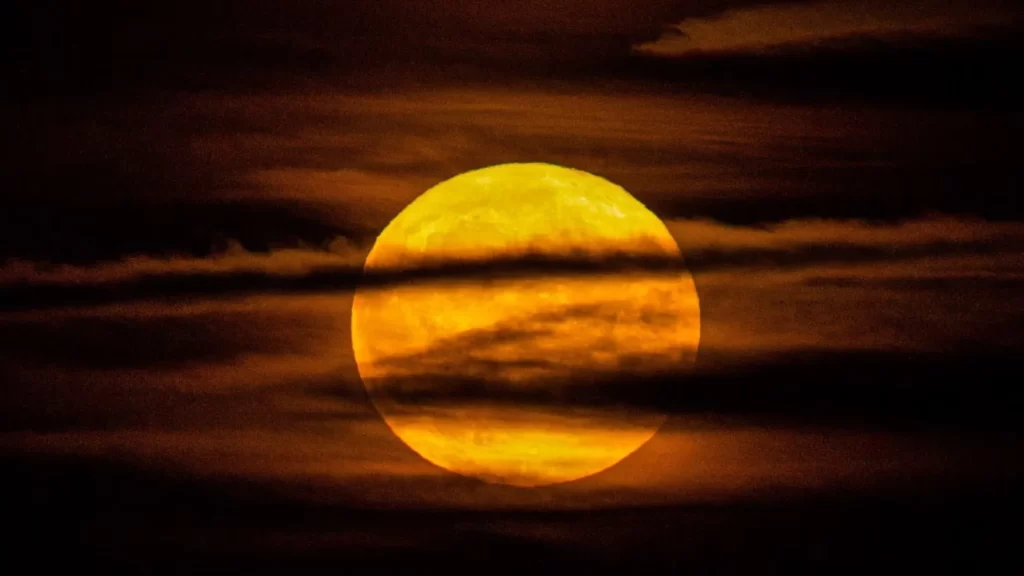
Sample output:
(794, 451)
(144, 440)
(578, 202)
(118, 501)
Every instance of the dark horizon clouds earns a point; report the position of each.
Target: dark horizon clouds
(260, 530)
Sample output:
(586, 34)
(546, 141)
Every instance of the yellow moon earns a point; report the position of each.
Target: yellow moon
(460, 342)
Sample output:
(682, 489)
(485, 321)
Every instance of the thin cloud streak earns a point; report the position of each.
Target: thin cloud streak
(762, 28)
(697, 237)
(707, 246)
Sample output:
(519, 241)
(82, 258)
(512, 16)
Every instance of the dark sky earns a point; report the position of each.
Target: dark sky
(192, 187)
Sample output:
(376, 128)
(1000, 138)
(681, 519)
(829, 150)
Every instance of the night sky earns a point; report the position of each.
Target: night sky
(192, 189)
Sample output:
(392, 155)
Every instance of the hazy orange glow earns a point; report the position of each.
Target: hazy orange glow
(521, 332)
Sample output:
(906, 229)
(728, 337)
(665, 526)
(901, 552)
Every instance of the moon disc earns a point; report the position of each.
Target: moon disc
(481, 376)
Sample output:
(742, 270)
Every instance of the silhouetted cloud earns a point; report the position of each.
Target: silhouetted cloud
(830, 388)
(707, 246)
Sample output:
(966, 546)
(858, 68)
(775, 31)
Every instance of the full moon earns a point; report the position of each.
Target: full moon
(481, 376)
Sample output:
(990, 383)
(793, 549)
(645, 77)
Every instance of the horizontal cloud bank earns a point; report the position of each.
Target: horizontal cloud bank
(264, 387)
(698, 239)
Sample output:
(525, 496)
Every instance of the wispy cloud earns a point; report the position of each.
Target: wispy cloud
(708, 235)
(707, 244)
(764, 27)
(234, 259)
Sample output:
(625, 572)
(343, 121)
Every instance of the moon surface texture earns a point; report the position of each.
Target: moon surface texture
(506, 377)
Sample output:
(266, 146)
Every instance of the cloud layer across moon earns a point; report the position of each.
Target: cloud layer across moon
(445, 362)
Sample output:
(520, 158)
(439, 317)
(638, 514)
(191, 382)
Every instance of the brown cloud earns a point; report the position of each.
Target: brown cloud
(708, 235)
(687, 462)
(339, 253)
(698, 237)
(764, 27)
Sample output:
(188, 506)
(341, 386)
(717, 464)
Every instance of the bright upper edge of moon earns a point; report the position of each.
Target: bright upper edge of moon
(520, 333)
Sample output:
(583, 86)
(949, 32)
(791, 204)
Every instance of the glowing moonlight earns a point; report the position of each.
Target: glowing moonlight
(436, 355)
